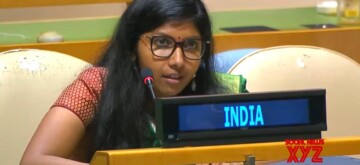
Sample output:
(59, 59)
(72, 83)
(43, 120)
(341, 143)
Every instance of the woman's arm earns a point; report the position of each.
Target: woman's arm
(56, 138)
(62, 129)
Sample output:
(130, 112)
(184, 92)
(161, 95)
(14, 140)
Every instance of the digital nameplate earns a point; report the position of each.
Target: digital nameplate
(240, 118)
(243, 114)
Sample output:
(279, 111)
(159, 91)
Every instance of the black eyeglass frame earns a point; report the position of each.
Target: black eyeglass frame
(177, 44)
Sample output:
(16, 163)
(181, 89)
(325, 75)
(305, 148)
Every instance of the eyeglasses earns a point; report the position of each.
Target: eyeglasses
(164, 47)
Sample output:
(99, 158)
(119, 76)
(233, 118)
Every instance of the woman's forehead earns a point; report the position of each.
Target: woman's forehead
(178, 30)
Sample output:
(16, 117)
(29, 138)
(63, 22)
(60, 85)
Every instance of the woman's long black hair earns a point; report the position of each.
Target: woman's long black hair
(121, 120)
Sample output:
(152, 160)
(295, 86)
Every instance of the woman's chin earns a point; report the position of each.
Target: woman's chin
(169, 93)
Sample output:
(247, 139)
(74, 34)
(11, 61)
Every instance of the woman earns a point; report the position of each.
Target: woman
(108, 106)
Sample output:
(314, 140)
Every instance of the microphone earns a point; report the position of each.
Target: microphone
(148, 78)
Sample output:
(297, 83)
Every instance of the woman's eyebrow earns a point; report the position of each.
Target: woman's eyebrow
(167, 35)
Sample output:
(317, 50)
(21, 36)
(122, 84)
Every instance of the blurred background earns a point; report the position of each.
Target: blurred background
(114, 9)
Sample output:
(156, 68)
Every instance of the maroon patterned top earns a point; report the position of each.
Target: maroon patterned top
(82, 95)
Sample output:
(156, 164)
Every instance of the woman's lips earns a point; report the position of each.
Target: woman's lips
(172, 78)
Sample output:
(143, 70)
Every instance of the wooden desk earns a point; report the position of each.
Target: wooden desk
(343, 40)
(222, 153)
(87, 39)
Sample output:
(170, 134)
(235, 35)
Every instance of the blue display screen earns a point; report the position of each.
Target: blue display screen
(243, 114)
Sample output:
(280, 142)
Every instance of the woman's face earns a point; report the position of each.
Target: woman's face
(171, 74)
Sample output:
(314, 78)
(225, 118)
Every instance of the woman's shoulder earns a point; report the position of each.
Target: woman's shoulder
(93, 74)
(82, 95)
(94, 71)
(92, 78)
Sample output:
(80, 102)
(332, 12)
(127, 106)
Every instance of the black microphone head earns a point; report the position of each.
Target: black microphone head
(147, 75)
(148, 78)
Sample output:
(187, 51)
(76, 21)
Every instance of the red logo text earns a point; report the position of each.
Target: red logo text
(313, 146)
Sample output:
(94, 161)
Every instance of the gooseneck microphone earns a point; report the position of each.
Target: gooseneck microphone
(148, 78)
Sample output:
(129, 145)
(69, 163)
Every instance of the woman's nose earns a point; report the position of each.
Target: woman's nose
(176, 60)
